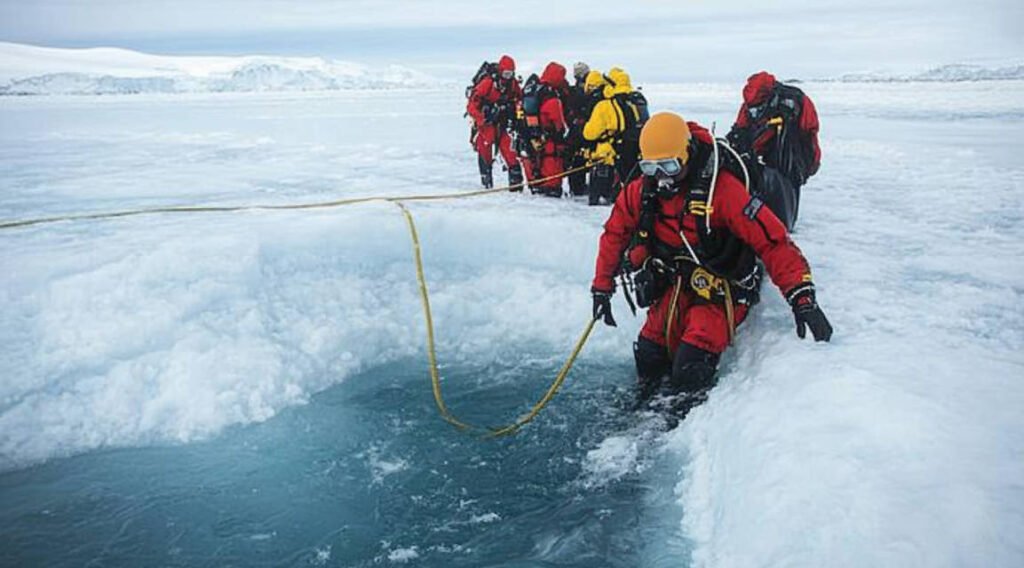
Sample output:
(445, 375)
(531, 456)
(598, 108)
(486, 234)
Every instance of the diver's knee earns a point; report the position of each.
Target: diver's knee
(652, 363)
(693, 369)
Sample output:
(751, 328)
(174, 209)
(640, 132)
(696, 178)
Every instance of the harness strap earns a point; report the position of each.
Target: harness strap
(705, 285)
(704, 280)
(620, 119)
(628, 122)
(673, 308)
(729, 310)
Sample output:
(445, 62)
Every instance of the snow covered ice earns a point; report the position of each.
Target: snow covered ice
(219, 347)
(30, 70)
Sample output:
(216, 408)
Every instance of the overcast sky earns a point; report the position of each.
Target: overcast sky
(703, 39)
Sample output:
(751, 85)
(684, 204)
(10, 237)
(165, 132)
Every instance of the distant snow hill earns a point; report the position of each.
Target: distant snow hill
(945, 73)
(30, 70)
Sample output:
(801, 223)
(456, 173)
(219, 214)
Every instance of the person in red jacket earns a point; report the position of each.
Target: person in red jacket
(698, 268)
(551, 146)
(778, 124)
(492, 104)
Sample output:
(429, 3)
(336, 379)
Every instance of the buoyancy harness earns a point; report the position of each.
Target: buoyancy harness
(718, 267)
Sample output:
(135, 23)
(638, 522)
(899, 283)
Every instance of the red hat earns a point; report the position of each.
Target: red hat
(554, 75)
(506, 63)
(759, 85)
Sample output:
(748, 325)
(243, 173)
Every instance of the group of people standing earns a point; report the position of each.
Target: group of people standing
(696, 222)
(544, 126)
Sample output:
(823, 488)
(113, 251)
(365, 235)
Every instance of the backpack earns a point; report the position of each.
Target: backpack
(767, 186)
(533, 97)
(535, 94)
(487, 69)
(791, 154)
(634, 110)
(723, 252)
(627, 145)
(640, 101)
(794, 153)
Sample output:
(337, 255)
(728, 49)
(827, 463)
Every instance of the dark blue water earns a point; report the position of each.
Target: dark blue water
(367, 474)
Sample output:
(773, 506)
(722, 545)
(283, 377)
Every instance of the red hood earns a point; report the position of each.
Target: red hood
(506, 63)
(759, 85)
(554, 75)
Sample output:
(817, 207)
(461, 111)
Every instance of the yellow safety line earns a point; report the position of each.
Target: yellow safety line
(672, 308)
(418, 257)
(552, 390)
(431, 353)
(729, 310)
(435, 378)
(314, 205)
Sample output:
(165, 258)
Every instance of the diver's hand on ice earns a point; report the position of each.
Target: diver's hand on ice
(603, 306)
(808, 314)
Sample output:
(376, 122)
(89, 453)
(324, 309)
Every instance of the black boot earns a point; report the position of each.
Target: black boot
(601, 179)
(485, 172)
(693, 369)
(578, 180)
(515, 178)
(652, 368)
(693, 375)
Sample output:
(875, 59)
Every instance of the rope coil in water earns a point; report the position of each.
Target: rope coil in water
(435, 378)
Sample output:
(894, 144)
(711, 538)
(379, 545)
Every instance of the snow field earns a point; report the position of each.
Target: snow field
(900, 443)
(161, 335)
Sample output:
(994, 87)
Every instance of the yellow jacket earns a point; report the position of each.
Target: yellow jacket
(607, 121)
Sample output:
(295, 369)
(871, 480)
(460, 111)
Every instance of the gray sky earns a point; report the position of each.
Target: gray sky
(703, 39)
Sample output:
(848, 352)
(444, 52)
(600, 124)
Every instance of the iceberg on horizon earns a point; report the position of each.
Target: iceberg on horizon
(31, 70)
(953, 73)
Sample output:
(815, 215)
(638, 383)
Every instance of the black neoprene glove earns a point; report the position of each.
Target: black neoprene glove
(808, 314)
(603, 306)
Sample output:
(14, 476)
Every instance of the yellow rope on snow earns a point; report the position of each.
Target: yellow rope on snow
(314, 205)
(418, 257)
